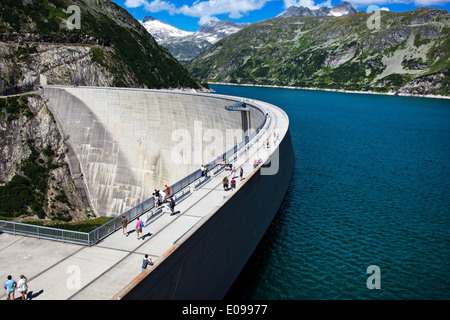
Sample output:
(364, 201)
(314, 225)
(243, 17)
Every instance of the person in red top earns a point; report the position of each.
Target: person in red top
(167, 190)
(233, 184)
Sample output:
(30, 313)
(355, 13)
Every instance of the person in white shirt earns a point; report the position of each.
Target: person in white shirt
(22, 287)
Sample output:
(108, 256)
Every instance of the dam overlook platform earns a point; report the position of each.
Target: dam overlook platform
(128, 142)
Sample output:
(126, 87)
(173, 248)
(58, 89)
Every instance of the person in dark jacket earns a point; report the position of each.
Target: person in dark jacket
(172, 205)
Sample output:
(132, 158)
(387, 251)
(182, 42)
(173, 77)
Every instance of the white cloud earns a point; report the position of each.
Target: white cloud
(208, 9)
(204, 10)
(306, 3)
(134, 3)
(152, 6)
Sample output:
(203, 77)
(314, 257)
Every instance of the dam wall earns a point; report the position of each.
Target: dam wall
(122, 144)
(205, 261)
(125, 143)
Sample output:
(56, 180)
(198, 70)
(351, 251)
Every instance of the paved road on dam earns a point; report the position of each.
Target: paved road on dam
(61, 271)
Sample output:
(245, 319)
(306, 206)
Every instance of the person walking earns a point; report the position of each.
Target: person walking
(146, 262)
(22, 286)
(162, 196)
(241, 173)
(156, 199)
(172, 206)
(225, 183)
(10, 286)
(203, 170)
(233, 184)
(124, 225)
(139, 226)
(167, 190)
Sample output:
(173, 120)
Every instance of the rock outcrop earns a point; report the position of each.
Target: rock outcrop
(35, 180)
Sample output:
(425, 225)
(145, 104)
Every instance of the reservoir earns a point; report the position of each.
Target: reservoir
(371, 187)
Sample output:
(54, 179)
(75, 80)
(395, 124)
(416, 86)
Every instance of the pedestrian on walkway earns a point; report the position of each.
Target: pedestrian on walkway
(10, 286)
(202, 168)
(22, 286)
(139, 226)
(172, 205)
(225, 183)
(241, 173)
(227, 164)
(233, 184)
(162, 196)
(167, 190)
(146, 262)
(124, 225)
(156, 199)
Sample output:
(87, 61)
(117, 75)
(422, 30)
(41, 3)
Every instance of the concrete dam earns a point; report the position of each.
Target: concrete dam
(127, 143)
(124, 143)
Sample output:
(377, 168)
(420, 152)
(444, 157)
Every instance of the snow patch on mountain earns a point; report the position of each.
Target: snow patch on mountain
(162, 31)
(186, 45)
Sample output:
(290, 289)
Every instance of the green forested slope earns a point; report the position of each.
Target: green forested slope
(409, 52)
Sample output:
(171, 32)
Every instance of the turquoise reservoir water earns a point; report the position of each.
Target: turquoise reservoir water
(371, 186)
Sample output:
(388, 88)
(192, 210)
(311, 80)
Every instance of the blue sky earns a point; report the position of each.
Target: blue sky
(191, 14)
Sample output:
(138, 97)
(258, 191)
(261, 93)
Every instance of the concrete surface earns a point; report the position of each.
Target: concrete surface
(215, 232)
(128, 142)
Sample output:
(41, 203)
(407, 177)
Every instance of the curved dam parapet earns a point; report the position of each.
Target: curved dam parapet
(125, 143)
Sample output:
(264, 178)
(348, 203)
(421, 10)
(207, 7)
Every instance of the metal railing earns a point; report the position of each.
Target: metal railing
(41, 232)
(96, 235)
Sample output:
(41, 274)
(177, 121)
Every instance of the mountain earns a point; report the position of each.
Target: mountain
(108, 47)
(162, 31)
(341, 9)
(213, 31)
(409, 52)
(186, 45)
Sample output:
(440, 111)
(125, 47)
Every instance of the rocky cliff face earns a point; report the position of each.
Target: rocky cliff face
(22, 64)
(407, 52)
(34, 177)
